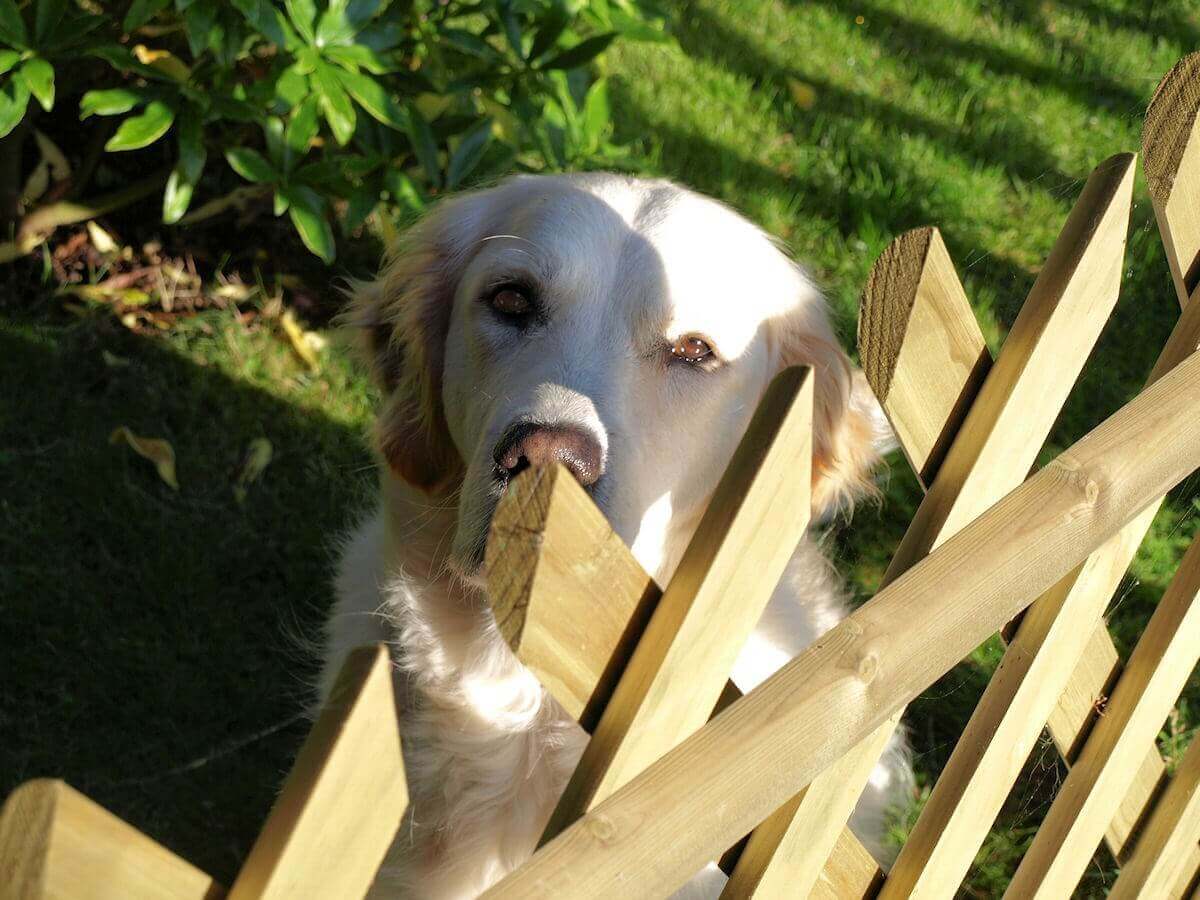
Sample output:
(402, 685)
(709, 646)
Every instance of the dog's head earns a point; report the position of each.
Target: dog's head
(623, 327)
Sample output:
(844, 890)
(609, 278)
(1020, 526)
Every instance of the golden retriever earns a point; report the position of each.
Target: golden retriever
(626, 328)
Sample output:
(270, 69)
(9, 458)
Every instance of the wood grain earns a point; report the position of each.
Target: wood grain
(712, 788)
(1161, 858)
(1157, 671)
(757, 516)
(1171, 154)
(343, 799)
(56, 844)
(568, 595)
(921, 348)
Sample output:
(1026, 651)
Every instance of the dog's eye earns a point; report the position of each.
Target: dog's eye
(511, 302)
(691, 349)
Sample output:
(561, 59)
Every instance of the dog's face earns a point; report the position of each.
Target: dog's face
(624, 328)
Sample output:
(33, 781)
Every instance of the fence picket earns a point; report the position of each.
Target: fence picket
(56, 843)
(1171, 151)
(343, 799)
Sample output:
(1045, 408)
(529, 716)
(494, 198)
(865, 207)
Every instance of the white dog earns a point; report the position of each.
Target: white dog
(626, 328)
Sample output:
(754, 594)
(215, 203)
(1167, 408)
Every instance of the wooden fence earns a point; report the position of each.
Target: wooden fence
(680, 768)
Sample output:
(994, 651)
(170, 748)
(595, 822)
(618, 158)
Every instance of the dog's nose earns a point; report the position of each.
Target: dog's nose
(529, 444)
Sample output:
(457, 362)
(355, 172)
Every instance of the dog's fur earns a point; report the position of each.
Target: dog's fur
(621, 268)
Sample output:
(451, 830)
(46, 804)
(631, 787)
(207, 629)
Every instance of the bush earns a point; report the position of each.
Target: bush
(328, 110)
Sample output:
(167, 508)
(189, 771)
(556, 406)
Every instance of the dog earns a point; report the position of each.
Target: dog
(625, 328)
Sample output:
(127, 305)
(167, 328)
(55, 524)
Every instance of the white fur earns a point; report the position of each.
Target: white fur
(623, 268)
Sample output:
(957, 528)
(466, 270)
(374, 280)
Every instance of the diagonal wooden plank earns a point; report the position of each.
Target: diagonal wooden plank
(726, 576)
(1022, 694)
(1157, 671)
(1171, 155)
(1160, 859)
(1010, 418)
(568, 596)
(549, 555)
(56, 844)
(735, 771)
(921, 348)
(344, 798)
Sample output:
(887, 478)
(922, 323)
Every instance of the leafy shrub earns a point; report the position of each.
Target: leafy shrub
(328, 109)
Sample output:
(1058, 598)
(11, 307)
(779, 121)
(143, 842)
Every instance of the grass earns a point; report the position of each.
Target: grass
(149, 636)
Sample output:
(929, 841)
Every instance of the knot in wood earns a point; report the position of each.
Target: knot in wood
(868, 666)
(601, 827)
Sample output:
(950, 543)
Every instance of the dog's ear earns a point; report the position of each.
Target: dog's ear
(402, 318)
(849, 429)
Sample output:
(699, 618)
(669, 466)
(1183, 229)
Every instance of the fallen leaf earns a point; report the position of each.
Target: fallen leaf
(254, 463)
(60, 168)
(299, 339)
(163, 60)
(113, 361)
(98, 293)
(158, 451)
(804, 95)
(103, 241)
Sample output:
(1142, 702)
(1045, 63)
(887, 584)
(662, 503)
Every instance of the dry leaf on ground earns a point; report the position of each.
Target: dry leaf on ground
(158, 451)
(258, 457)
(305, 343)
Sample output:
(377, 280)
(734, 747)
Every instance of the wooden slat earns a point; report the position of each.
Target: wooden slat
(1158, 669)
(344, 798)
(1160, 859)
(779, 860)
(1171, 153)
(1023, 394)
(1022, 694)
(921, 348)
(735, 771)
(56, 844)
(750, 530)
(850, 874)
(568, 596)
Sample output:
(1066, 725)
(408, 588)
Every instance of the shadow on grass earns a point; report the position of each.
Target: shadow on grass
(149, 653)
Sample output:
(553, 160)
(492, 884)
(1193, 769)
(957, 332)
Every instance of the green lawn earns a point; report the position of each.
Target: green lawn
(154, 642)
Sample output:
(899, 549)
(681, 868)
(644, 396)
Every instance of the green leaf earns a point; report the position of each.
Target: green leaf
(301, 129)
(471, 44)
(403, 190)
(596, 113)
(307, 212)
(358, 56)
(13, 100)
(201, 20)
(8, 59)
(373, 97)
(339, 111)
(581, 54)
(281, 204)
(46, 18)
(334, 28)
(12, 26)
(38, 76)
(469, 152)
(381, 36)
(268, 21)
(423, 144)
(303, 13)
(511, 25)
(141, 12)
(143, 129)
(273, 135)
(551, 29)
(111, 102)
(184, 177)
(251, 165)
